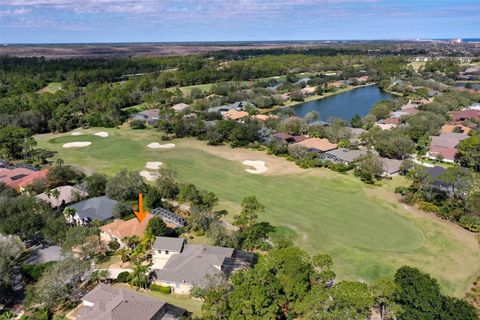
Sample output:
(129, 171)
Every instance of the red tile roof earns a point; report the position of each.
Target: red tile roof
(391, 121)
(20, 177)
(465, 114)
(446, 153)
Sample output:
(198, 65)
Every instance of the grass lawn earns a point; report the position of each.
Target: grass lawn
(52, 87)
(365, 229)
(185, 302)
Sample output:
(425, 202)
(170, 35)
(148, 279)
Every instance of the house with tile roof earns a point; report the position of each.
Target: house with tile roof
(317, 144)
(119, 229)
(109, 303)
(19, 178)
(66, 195)
(444, 146)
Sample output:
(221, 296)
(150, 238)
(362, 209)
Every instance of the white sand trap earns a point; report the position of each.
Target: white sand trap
(153, 165)
(77, 144)
(156, 145)
(258, 165)
(76, 133)
(150, 176)
(102, 134)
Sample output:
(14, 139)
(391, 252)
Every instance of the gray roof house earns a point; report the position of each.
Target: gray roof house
(182, 266)
(345, 155)
(391, 166)
(109, 303)
(99, 208)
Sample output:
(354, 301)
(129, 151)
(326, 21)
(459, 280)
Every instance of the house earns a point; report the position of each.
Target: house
(309, 91)
(264, 117)
(19, 178)
(317, 144)
(345, 156)
(466, 115)
(444, 153)
(119, 229)
(395, 121)
(150, 115)
(362, 79)
(235, 115)
(391, 167)
(399, 113)
(283, 137)
(108, 303)
(99, 208)
(444, 146)
(66, 195)
(182, 266)
(452, 127)
(179, 107)
(385, 126)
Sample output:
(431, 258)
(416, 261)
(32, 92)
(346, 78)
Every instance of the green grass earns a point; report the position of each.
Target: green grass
(368, 233)
(52, 87)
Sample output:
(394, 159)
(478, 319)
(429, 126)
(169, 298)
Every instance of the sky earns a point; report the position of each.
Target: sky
(83, 21)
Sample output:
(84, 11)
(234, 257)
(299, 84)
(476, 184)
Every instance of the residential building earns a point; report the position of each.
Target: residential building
(150, 115)
(235, 115)
(452, 127)
(63, 195)
(179, 107)
(391, 167)
(19, 178)
(444, 146)
(317, 144)
(182, 266)
(343, 155)
(283, 137)
(119, 229)
(109, 303)
(466, 115)
(99, 208)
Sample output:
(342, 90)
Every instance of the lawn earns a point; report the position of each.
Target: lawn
(52, 87)
(366, 230)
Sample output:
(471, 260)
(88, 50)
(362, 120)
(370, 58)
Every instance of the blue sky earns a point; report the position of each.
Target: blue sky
(70, 21)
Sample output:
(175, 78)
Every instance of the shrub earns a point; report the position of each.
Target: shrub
(471, 223)
(162, 289)
(113, 245)
(33, 272)
(123, 277)
(137, 124)
(428, 207)
(402, 190)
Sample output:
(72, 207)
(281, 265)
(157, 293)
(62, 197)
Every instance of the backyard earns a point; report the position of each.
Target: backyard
(365, 229)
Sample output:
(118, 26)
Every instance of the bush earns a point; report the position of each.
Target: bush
(113, 245)
(428, 207)
(162, 289)
(402, 190)
(471, 223)
(123, 277)
(137, 124)
(33, 272)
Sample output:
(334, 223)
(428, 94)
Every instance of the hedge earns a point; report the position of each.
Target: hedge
(123, 276)
(162, 289)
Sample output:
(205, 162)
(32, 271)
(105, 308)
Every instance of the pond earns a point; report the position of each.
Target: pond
(344, 105)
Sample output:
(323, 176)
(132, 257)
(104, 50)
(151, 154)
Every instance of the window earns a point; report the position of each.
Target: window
(159, 251)
(166, 251)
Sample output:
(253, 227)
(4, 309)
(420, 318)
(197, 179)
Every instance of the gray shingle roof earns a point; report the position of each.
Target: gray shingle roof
(391, 166)
(99, 208)
(194, 263)
(170, 244)
(347, 155)
(119, 304)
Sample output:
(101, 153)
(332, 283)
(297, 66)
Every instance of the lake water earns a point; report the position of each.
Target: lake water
(344, 105)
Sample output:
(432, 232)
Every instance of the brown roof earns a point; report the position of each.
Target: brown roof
(465, 114)
(264, 117)
(120, 228)
(448, 139)
(235, 115)
(20, 177)
(318, 144)
(391, 121)
(446, 153)
(451, 127)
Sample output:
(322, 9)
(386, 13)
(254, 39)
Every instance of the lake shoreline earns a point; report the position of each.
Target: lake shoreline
(293, 104)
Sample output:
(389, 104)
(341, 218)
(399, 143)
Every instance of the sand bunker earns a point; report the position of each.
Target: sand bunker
(150, 176)
(258, 165)
(153, 165)
(77, 144)
(76, 133)
(102, 134)
(156, 145)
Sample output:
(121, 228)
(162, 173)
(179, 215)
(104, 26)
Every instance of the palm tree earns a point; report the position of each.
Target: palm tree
(55, 194)
(99, 276)
(69, 213)
(140, 275)
(59, 162)
(131, 241)
(126, 254)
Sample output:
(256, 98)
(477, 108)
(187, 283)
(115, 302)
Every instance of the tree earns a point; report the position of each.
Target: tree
(156, 227)
(369, 168)
(166, 184)
(10, 250)
(312, 116)
(125, 186)
(356, 121)
(468, 154)
(249, 214)
(121, 210)
(96, 184)
(139, 276)
(137, 124)
(13, 141)
(153, 199)
(61, 175)
(131, 241)
(383, 291)
(99, 276)
(84, 241)
(60, 282)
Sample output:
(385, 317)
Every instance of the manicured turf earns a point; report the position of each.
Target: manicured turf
(363, 228)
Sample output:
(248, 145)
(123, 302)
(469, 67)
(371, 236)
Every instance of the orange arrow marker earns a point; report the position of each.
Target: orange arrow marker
(140, 213)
